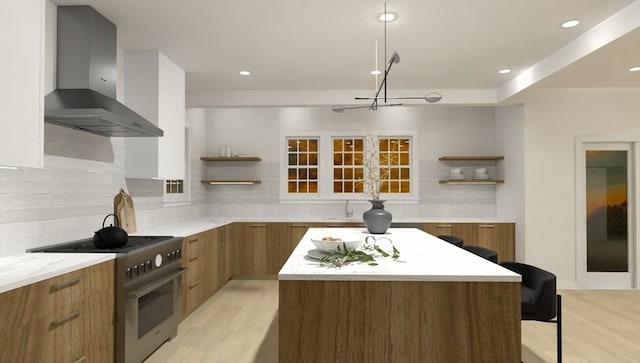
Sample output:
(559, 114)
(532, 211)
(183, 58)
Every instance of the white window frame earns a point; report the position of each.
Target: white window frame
(184, 198)
(325, 166)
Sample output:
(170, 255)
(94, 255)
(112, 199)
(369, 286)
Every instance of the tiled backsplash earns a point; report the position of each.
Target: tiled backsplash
(71, 195)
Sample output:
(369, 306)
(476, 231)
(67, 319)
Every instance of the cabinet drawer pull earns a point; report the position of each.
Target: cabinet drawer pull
(299, 225)
(486, 226)
(194, 240)
(81, 359)
(64, 319)
(191, 259)
(444, 225)
(194, 284)
(259, 225)
(62, 285)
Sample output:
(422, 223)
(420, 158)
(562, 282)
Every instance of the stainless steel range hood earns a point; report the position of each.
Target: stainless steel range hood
(86, 78)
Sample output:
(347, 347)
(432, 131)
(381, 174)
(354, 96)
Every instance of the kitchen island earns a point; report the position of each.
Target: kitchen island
(436, 303)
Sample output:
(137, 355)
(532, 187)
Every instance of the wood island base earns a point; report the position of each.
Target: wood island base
(399, 321)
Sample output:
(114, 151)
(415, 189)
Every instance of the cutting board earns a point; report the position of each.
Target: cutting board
(123, 208)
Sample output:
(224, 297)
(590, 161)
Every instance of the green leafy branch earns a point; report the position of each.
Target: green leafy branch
(366, 253)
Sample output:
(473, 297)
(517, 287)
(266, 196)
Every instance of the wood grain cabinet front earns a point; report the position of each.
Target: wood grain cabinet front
(60, 319)
(193, 259)
(499, 237)
(263, 248)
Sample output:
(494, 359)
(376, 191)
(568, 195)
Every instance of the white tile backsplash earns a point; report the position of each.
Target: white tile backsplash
(69, 197)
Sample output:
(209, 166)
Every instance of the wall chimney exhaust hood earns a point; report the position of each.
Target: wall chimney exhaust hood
(86, 78)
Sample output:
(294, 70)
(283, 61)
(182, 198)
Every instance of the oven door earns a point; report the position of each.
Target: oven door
(152, 314)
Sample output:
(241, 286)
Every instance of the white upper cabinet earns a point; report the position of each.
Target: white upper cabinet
(154, 87)
(22, 83)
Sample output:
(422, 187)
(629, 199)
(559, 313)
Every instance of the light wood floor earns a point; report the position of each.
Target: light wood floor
(239, 324)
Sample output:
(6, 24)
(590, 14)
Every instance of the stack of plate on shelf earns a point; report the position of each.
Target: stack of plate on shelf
(480, 174)
(456, 174)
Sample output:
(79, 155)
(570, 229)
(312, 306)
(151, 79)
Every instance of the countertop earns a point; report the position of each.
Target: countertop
(423, 257)
(188, 228)
(27, 268)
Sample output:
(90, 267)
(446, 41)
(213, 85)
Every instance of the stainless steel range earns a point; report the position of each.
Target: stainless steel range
(148, 291)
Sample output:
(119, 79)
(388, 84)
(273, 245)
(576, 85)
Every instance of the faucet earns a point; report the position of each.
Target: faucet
(348, 212)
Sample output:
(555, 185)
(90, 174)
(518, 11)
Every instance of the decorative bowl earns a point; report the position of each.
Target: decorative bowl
(331, 243)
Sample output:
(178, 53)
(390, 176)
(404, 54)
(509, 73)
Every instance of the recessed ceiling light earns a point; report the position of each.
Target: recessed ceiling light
(570, 23)
(504, 71)
(634, 69)
(245, 73)
(387, 17)
(376, 72)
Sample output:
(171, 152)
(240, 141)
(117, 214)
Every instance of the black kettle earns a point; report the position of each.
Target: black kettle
(110, 237)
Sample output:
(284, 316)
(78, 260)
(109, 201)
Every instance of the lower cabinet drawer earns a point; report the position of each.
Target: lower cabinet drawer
(50, 338)
(54, 320)
(67, 335)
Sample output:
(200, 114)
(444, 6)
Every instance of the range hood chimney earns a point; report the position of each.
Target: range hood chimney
(86, 77)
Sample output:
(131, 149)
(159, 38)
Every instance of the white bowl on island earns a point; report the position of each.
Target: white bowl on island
(332, 243)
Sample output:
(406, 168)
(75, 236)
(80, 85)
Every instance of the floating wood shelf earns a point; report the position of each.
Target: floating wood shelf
(224, 158)
(230, 182)
(472, 181)
(470, 158)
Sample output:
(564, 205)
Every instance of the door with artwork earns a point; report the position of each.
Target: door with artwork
(606, 216)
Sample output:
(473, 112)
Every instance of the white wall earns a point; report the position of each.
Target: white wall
(553, 119)
(442, 130)
(510, 196)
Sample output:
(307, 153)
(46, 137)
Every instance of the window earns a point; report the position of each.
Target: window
(174, 186)
(302, 166)
(348, 157)
(328, 166)
(395, 167)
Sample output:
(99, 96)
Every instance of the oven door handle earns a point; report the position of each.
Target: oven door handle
(148, 288)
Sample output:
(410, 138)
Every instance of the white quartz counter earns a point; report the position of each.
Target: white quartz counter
(27, 268)
(191, 227)
(184, 229)
(423, 257)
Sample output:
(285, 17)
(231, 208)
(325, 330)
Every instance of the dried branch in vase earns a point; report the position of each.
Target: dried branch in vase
(376, 171)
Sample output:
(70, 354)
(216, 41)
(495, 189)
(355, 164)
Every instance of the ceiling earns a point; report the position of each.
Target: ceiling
(314, 46)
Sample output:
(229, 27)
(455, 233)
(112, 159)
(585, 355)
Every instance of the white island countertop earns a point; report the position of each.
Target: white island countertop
(423, 257)
(28, 268)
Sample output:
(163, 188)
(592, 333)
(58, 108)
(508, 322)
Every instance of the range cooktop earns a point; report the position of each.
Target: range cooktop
(87, 246)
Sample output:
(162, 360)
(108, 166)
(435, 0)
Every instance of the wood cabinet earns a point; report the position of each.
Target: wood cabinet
(22, 83)
(296, 232)
(68, 318)
(155, 88)
(499, 237)
(471, 160)
(209, 266)
(193, 248)
(220, 260)
(263, 247)
(466, 231)
(231, 161)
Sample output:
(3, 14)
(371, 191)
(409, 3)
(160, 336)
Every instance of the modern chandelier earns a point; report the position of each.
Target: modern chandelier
(432, 97)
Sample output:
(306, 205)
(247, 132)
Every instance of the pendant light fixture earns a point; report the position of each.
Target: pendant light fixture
(432, 97)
